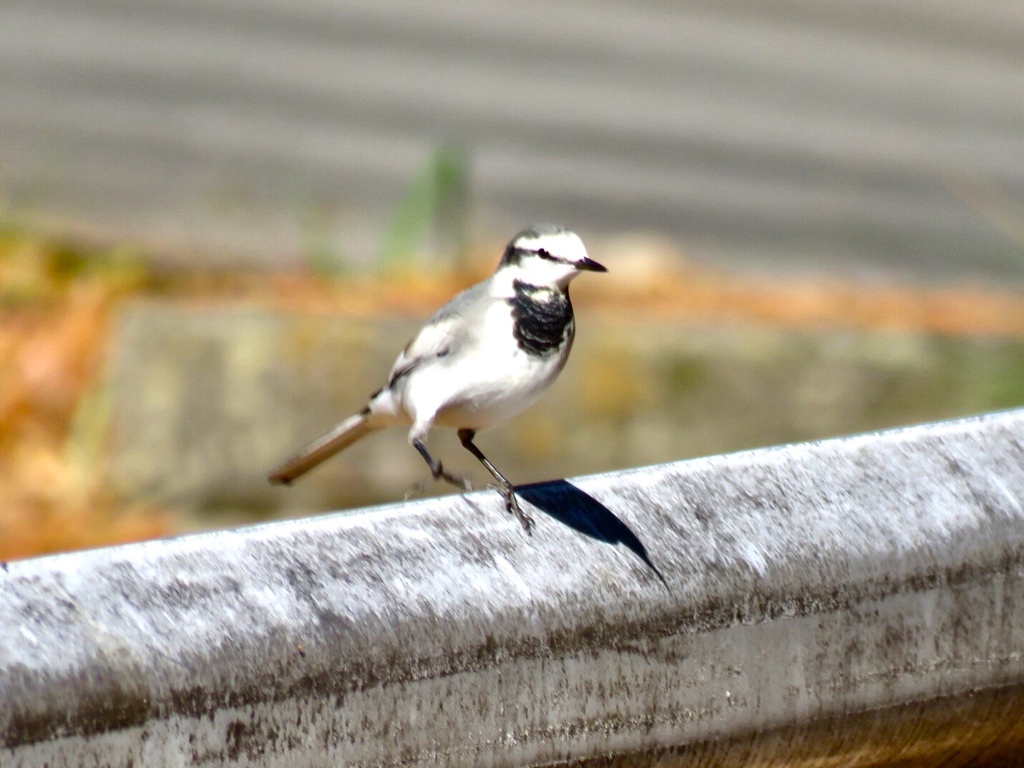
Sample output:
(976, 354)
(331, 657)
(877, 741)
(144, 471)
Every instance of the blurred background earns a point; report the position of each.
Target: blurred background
(220, 221)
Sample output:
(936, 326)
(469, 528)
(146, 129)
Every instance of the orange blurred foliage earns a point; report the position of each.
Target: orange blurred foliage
(53, 330)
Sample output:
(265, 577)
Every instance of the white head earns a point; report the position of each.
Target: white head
(547, 254)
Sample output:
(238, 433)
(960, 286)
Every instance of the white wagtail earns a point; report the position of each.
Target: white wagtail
(486, 355)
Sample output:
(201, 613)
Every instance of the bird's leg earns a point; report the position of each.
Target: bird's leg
(437, 472)
(504, 487)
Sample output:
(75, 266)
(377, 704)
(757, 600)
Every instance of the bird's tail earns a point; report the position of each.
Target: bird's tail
(321, 449)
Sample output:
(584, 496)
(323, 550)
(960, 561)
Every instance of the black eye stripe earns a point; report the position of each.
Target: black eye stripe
(544, 253)
(514, 253)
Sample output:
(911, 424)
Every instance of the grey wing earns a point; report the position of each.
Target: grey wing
(447, 331)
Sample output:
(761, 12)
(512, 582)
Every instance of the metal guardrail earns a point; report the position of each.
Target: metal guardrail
(828, 600)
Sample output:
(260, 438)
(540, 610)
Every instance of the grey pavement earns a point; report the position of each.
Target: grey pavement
(853, 136)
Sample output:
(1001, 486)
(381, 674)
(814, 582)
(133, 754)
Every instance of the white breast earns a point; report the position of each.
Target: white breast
(487, 382)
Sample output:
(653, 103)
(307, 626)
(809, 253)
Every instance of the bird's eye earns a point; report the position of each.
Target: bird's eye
(545, 254)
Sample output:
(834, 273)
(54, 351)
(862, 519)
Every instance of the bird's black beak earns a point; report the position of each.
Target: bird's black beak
(589, 265)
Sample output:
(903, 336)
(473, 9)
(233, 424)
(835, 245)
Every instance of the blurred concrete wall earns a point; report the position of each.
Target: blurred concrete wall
(205, 402)
(849, 135)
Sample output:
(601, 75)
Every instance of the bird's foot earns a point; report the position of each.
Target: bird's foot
(513, 508)
(453, 478)
(440, 473)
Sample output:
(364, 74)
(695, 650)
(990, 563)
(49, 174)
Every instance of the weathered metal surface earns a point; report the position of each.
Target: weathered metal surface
(802, 585)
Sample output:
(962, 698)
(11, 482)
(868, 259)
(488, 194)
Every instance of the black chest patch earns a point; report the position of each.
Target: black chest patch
(542, 318)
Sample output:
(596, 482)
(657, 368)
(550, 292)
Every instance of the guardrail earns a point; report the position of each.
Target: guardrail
(841, 600)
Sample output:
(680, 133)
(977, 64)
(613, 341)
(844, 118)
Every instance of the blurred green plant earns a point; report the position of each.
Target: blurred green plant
(436, 203)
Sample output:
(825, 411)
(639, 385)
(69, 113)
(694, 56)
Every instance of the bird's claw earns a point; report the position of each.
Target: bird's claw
(513, 508)
(459, 481)
(440, 473)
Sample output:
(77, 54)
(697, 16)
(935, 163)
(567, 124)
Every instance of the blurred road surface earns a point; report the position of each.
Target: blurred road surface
(855, 136)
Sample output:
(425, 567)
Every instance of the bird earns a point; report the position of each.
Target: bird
(482, 358)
